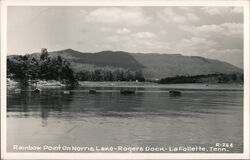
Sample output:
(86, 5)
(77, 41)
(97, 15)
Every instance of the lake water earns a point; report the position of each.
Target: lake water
(149, 118)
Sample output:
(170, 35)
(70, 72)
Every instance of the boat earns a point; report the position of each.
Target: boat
(174, 93)
(66, 92)
(17, 90)
(37, 90)
(127, 91)
(92, 91)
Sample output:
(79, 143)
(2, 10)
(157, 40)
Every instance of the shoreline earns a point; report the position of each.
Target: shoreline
(182, 87)
(111, 84)
(39, 84)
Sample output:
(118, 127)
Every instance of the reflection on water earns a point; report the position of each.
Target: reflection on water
(109, 118)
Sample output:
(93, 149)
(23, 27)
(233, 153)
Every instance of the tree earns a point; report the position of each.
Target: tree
(128, 76)
(44, 54)
(97, 75)
(139, 76)
(234, 77)
(46, 68)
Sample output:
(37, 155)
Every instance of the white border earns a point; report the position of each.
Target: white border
(5, 155)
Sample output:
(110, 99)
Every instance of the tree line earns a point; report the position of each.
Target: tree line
(28, 67)
(216, 78)
(107, 75)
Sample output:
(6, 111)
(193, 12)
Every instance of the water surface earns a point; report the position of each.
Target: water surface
(150, 117)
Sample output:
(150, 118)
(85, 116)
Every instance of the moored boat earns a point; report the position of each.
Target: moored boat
(127, 91)
(37, 90)
(66, 92)
(174, 93)
(92, 91)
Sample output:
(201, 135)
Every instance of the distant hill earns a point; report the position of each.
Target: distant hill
(100, 59)
(153, 65)
(170, 65)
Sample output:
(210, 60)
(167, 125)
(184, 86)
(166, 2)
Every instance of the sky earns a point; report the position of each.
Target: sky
(210, 32)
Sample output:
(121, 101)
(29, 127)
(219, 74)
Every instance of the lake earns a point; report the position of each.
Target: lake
(148, 118)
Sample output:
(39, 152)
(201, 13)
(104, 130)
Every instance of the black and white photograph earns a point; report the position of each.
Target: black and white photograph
(125, 79)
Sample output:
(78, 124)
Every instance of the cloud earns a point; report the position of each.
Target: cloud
(123, 34)
(237, 10)
(187, 9)
(232, 28)
(145, 46)
(118, 38)
(169, 15)
(229, 29)
(115, 15)
(123, 31)
(143, 35)
(83, 12)
(105, 29)
(210, 28)
(213, 11)
(132, 44)
(193, 45)
(192, 17)
(144, 41)
(196, 41)
(226, 29)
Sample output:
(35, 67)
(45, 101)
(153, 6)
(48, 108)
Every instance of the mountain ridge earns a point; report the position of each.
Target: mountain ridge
(153, 65)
